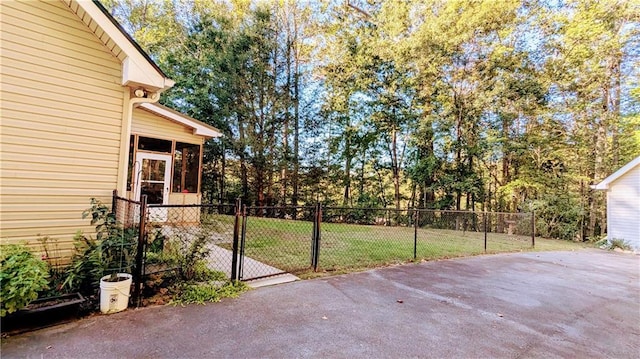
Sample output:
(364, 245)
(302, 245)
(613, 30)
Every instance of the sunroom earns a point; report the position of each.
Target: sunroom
(165, 159)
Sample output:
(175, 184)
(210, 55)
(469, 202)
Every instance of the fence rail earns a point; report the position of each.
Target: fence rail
(237, 242)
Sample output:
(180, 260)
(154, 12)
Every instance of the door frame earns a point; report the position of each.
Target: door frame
(140, 156)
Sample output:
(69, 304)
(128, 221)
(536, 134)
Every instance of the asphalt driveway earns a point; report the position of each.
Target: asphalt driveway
(583, 304)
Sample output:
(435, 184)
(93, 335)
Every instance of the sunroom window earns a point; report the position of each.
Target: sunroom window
(186, 168)
(154, 144)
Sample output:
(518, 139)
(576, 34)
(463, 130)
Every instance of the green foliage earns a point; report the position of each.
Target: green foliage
(558, 216)
(188, 254)
(483, 105)
(112, 251)
(156, 240)
(86, 267)
(619, 243)
(209, 292)
(22, 276)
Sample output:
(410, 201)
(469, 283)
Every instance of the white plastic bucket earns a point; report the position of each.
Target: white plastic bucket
(114, 296)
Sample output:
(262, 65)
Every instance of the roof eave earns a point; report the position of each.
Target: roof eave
(199, 128)
(604, 184)
(138, 69)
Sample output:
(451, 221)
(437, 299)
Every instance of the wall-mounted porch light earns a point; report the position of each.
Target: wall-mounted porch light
(140, 92)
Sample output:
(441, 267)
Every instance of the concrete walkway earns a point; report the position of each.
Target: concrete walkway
(583, 304)
(221, 260)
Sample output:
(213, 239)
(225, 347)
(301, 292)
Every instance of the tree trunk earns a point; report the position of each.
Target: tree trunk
(296, 114)
(221, 178)
(361, 179)
(287, 120)
(346, 180)
(395, 167)
(243, 160)
(296, 135)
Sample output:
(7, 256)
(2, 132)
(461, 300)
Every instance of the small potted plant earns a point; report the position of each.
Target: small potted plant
(114, 292)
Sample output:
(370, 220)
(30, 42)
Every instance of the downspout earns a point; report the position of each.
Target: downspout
(129, 104)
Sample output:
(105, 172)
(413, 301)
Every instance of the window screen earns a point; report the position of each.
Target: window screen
(186, 168)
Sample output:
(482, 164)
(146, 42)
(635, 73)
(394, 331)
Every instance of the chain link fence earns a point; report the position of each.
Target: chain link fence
(275, 240)
(181, 243)
(363, 238)
(444, 234)
(185, 243)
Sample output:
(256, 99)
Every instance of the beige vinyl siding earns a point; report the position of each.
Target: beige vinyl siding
(184, 198)
(187, 214)
(62, 108)
(147, 124)
(623, 208)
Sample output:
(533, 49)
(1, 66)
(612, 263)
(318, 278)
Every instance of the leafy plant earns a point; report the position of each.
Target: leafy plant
(156, 240)
(22, 276)
(187, 253)
(192, 265)
(112, 251)
(86, 267)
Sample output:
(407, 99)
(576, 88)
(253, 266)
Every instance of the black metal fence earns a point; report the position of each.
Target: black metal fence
(194, 242)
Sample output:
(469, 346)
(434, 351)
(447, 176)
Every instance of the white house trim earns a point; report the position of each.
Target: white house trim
(137, 69)
(623, 203)
(604, 185)
(199, 128)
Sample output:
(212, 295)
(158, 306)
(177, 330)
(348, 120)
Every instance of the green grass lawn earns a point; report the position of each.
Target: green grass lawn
(286, 244)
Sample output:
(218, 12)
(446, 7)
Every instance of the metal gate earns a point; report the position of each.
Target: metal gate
(271, 241)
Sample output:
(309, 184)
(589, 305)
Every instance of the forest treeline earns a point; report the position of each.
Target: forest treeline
(469, 105)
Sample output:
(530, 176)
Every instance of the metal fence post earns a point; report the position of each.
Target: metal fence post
(315, 243)
(236, 234)
(142, 234)
(243, 236)
(114, 202)
(484, 219)
(319, 236)
(415, 233)
(314, 233)
(533, 229)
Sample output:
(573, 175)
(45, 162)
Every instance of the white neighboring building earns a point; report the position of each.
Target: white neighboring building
(623, 203)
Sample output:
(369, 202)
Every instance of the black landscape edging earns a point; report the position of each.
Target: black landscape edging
(45, 315)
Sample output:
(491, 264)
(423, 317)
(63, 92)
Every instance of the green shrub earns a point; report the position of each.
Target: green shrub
(22, 276)
(188, 253)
